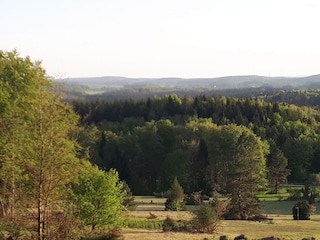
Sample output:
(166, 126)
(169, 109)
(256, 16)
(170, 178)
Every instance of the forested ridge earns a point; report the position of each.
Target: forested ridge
(151, 141)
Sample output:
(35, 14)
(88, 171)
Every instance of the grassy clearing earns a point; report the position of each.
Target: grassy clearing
(283, 225)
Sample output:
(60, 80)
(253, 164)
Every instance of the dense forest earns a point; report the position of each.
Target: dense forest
(151, 141)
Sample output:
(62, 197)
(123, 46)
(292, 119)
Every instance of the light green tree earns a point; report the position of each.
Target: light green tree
(38, 156)
(19, 77)
(98, 197)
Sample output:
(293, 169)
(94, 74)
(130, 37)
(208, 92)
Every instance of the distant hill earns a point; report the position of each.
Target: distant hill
(112, 87)
(230, 82)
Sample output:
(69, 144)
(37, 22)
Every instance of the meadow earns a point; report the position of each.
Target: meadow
(150, 210)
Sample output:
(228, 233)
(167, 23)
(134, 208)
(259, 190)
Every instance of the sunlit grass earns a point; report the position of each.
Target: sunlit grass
(282, 226)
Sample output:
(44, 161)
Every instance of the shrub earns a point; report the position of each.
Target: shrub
(301, 210)
(241, 237)
(205, 219)
(168, 225)
(223, 237)
(128, 200)
(194, 199)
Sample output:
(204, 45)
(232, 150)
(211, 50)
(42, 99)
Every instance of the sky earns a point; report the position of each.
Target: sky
(165, 38)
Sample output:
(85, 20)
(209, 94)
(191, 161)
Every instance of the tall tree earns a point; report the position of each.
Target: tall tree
(277, 168)
(19, 78)
(50, 154)
(36, 147)
(237, 159)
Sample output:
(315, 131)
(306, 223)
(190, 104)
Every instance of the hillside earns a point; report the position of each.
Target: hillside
(229, 82)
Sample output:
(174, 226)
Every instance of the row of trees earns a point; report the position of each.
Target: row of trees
(203, 156)
(148, 155)
(44, 179)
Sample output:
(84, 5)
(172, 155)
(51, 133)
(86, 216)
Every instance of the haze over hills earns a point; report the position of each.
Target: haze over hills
(229, 82)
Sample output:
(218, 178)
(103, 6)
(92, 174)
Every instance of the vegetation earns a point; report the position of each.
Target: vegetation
(40, 157)
(98, 197)
(206, 219)
(301, 211)
(175, 197)
(66, 167)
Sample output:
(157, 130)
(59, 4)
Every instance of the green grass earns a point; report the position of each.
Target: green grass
(143, 223)
(283, 207)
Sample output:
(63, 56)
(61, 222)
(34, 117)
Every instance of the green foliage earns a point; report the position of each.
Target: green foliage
(175, 197)
(38, 154)
(128, 200)
(142, 223)
(237, 159)
(98, 198)
(12, 230)
(301, 210)
(205, 219)
(277, 168)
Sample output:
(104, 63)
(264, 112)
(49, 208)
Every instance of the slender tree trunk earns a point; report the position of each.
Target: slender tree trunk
(41, 209)
(13, 198)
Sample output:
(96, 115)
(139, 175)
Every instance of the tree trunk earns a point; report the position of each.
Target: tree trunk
(41, 210)
(12, 198)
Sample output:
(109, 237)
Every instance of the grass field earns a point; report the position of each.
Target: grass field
(283, 225)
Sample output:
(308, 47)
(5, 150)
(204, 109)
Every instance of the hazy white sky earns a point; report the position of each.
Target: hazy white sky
(165, 38)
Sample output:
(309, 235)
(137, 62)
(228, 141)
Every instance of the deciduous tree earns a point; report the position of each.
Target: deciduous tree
(98, 198)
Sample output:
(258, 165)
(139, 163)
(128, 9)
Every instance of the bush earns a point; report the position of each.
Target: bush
(241, 237)
(301, 210)
(223, 237)
(194, 199)
(128, 200)
(205, 219)
(170, 225)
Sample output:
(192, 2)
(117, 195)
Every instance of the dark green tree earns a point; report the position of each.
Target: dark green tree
(301, 210)
(175, 197)
(277, 168)
(237, 158)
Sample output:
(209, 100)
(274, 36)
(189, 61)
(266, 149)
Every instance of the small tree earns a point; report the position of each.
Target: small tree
(301, 210)
(205, 219)
(128, 200)
(175, 198)
(310, 191)
(98, 198)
